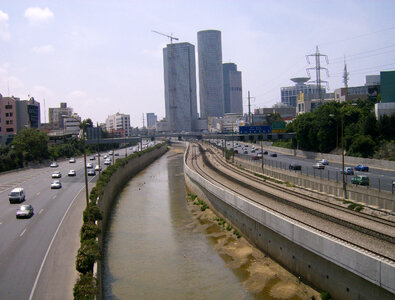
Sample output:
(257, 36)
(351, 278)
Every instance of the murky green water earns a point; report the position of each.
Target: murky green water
(152, 253)
(156, 249)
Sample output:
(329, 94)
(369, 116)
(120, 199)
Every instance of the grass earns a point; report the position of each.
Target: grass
(353, 206)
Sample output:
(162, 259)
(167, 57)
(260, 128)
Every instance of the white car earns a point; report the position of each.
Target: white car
(72, 160)
(92, 158)
(89, 165)
(107, 162)
(54, 164)
(56, 184)
(105, 156)
(97, 168)
(25, 211)
(72, 173)
(318, 166)
(56, 174)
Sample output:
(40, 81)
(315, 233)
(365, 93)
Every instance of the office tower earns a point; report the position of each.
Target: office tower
(151, 120)
(180, 86)
(118, 124)
(233, 98)
(210, 74)
(57, 115)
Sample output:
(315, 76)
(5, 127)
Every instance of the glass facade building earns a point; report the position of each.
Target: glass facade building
(233, 98)
(180, 86)
(211, 87)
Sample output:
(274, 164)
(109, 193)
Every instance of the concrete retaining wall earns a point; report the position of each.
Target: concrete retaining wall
(371, 197)
(330, 264)
(114, 186)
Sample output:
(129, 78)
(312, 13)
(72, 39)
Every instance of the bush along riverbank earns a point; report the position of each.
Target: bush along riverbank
(86, 287)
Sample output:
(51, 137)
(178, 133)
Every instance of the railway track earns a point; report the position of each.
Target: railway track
(353, 226)
(301, 195)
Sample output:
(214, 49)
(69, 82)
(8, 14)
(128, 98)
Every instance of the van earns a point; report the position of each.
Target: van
(16, 195)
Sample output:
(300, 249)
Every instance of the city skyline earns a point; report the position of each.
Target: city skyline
(106, 59)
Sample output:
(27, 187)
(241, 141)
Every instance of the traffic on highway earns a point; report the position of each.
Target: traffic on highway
(372, 178)
(33, 204)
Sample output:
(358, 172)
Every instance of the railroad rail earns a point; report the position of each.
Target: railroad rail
(353, 226)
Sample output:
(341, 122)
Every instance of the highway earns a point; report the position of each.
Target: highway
(25, 242)
(379, 179)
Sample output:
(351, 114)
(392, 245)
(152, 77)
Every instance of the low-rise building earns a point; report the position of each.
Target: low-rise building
(118, 124)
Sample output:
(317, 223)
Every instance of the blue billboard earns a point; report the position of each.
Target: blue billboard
(255, 129)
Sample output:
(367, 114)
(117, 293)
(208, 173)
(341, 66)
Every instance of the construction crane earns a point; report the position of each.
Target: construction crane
(171, 37)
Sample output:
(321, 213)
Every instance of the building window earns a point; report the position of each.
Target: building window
(6, 114)
(8, 106)
(10, 129)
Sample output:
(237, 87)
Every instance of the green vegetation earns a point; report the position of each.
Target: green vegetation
(325, 296)
(353, 205)
(89, 253)
(268, 178)
(364, 136)
(228, 153)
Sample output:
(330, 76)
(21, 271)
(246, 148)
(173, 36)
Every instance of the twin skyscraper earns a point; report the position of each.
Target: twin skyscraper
(220, 89)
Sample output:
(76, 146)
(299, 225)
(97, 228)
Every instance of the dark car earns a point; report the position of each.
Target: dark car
(360, 180)
(273, 154)
(362, 168)
(265, 153)
(91, 172)
(295, 167)
(255, 157)
(24, 211)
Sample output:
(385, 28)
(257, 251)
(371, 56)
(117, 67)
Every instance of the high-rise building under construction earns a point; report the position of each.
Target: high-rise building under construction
(180, 86)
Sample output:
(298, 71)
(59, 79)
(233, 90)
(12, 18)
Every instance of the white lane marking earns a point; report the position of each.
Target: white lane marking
(50, 245)
(38, 193)
(42, 209)
(54, 197)
(24, 230)
(1, 223)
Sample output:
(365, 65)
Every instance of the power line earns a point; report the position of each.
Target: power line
(366, 56)
(364, 52)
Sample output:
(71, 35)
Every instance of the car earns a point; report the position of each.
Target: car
(252, 150)
(92, 158)
(97, 168)
(245, 152)
(360, 180)
(295, 167)
(24, 211)
(56, 174)
(56, 184)
(324, 162)
(72, 173)
(265, 153)
(348, 171)
(110, 153)
(318, 165)
(16, 195)
(362, 168)
(91, 172)
(259, 154)
(105, 156)
(72, 160)
(236, 151)
(273, 154)
(116, 154)
(107, 162)
(255, 157)
(54, 164)
(89, 165)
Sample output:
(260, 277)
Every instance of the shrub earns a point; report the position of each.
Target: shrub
(89, 231)
(85, 287)
(87, 255)
(325, 296)
(92, 214)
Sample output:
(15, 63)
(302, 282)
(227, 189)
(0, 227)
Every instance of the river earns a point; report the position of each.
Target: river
(157, 248)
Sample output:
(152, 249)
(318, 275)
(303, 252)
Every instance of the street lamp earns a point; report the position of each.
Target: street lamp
(342, 136)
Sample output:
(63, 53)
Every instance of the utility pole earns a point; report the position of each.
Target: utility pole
(249, 108)
(317, 55)
(98, 147)
(344, 181)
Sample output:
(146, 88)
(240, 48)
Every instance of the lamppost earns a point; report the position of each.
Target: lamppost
(342, 136)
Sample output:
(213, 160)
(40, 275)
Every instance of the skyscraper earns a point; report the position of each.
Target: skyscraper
(151, 120)
(180, 86)
(211, 87)
(233, 98)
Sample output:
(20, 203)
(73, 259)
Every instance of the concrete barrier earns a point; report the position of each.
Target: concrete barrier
(346, 271)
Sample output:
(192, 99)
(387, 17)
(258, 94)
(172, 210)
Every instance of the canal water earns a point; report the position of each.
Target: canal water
(160, 246)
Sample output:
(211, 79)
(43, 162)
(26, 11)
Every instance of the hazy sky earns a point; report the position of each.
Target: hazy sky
(101, 56)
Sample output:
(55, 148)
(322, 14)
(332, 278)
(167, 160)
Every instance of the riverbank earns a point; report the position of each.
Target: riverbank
(261, 276)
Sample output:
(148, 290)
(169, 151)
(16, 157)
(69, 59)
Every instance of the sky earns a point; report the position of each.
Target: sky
(101, 57)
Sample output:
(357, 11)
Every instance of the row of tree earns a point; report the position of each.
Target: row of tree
(364, 136)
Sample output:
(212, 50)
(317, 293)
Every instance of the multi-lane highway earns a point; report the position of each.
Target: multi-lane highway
(25, 243)
(379, 179)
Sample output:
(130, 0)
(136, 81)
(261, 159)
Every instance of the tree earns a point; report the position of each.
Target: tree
(362, 146)
(32, 143)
